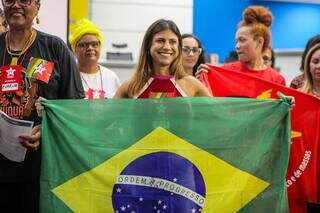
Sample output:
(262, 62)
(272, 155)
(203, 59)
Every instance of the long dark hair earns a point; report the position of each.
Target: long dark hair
(202, 58)
(144, 68)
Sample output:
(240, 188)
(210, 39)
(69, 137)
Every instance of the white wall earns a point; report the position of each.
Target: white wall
(125, 21)
(289, 64)
(53, 17)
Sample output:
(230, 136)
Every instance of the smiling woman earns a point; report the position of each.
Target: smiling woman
(43, 66)
(160, 73)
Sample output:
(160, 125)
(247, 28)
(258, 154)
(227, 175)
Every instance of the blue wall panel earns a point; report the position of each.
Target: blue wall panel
(215, 23)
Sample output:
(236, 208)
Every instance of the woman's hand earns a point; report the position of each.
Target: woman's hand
(32, 142)
(202, 68)
(292, 100)
(39, 106)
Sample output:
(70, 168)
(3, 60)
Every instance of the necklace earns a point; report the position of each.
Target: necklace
(93, 93)
(25, 46)
(16, 54)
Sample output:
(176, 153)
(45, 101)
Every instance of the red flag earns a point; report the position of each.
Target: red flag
(303, 174)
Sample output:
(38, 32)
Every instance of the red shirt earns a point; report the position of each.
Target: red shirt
(161, 87)
(268, 74)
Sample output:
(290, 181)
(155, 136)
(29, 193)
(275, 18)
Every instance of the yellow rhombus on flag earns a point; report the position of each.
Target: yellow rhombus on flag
(227, 189)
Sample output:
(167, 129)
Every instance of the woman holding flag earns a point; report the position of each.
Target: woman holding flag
(160, 73)
(33, 64)
(252, 39)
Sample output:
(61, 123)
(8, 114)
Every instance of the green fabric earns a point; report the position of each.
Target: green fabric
(252, 135)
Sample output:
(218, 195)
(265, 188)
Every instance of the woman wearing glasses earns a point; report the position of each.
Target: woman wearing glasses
(159, 73)
(98, 81)
(192, 53)
(33, 64)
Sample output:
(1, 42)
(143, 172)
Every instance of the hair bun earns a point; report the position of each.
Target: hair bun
(257, 14)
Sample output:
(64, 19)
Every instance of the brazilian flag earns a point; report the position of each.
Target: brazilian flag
(179, 155)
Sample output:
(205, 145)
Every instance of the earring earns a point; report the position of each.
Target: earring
(37, 20)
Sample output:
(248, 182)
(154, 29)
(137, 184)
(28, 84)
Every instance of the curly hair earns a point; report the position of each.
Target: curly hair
(259, 18)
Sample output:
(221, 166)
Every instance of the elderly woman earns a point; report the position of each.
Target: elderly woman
(43, 66)
(98, 81)
(160, 73)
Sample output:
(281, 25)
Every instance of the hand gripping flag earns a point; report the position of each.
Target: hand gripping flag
(165, 155)
(303, 173)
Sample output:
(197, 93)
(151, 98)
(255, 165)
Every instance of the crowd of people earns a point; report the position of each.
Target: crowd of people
(167, 67)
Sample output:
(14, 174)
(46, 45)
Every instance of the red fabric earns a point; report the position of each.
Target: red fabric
(303, 174)
(160, 86)
(268, 74)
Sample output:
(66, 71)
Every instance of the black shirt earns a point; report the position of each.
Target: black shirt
(64, 83)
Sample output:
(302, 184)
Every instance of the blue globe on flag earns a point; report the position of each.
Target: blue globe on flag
(159, 182)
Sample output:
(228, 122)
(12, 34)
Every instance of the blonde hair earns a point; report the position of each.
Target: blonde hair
(308, 83)
(259, 19)
(144, 69)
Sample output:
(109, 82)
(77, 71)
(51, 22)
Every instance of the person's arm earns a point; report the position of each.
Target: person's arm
(193, 87)
(201, 90)
(122, 91)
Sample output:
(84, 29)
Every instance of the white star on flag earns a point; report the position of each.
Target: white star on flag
(10, 72)
(119, 190)
(96, 94)
(40, 69)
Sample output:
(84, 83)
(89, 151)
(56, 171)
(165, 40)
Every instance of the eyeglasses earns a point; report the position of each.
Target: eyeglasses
(194, 50)
(266, 59)
(10, 3)
(86, 45)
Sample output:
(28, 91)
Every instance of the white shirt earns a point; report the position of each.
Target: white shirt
(110, 82)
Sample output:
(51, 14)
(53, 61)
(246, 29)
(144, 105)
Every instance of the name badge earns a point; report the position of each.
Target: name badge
(10, 79)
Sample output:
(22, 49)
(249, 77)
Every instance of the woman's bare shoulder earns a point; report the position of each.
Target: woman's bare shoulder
(122, 91)
(193, 86)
